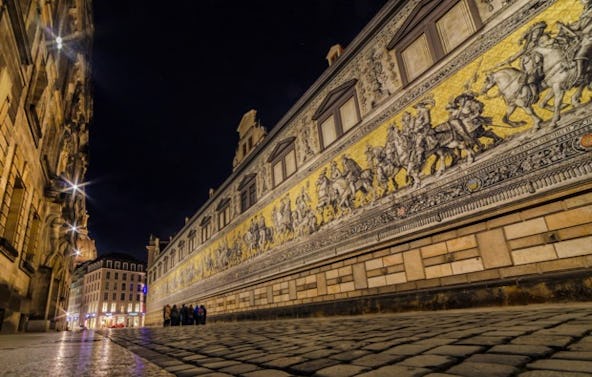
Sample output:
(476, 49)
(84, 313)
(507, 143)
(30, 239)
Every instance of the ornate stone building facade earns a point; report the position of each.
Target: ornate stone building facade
(45, 109)
(443, 159)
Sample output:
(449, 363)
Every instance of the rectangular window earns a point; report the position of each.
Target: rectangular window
(137, 308)
(283, 160)
(114, 296)
(436, 28)
(116, 275)
(348, 114)
(105, 306)
(108, 276)
(455, 26)
(106, 296)
(278, 173)
(113, 307)
(12, 208)
(107, 284)
(124, 276)
(122, 296)
(328, 131)
(122, 286)
(138, 297)
(417, 58)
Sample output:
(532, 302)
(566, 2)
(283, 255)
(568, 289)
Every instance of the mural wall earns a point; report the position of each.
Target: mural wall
(481, 131)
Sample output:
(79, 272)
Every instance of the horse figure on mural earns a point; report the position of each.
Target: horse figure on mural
(555, 63)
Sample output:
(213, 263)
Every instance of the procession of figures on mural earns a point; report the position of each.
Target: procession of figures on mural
(544, 69)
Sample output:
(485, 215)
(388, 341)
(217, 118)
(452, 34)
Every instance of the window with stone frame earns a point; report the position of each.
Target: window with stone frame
(283, 160)
(338, 113)
(223, 211)
(248, 192)
(191, 240)
(31, 239)
(11, 213)
(433, 30)
(206, 228)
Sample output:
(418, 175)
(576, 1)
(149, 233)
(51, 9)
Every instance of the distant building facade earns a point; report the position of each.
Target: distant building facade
(109, 291)
(45, 110)
(442, 160)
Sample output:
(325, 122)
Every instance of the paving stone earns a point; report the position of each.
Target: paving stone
(436, 341)
(341, 370)
(396, 370)
(543, 340)
(194, 357)
(377, 359)
(429, 361)
(195, 371)
(471, 369)
(455, 350)
(178, 368)
(267, 373)
(573, 355)
(493, 358)
(562, 365)
(349, 355)
(312, 366)
(219, 364)
(409, 349)
(553, 373)
(484, 340)
(515, 349)
(284, 362)
(239, 369)
(319, 354)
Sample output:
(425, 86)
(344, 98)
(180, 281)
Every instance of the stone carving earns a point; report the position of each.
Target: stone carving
(305, 140)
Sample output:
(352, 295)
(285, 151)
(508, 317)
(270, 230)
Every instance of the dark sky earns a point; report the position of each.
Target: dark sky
(171, 81)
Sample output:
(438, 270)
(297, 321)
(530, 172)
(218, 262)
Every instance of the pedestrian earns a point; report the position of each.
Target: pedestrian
(167, 315)
(182, 314)
(190, 319)
(196, 314)
(174, 316)
(202, 314)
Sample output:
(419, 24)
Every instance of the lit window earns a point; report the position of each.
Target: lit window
(434, 29)
(206, 229)
(223, 213)
(337, 114)
(283, 160)
(248, 192)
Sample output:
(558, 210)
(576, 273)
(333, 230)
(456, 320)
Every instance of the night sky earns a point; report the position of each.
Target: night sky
(171, 82)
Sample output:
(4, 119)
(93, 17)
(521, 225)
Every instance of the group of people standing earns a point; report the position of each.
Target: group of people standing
(184, 316)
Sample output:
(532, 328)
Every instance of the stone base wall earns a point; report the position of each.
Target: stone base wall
(534, 251)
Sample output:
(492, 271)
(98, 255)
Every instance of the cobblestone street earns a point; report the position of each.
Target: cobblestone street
(526, 341)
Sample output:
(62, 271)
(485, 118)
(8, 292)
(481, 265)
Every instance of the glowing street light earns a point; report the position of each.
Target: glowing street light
(59, 42)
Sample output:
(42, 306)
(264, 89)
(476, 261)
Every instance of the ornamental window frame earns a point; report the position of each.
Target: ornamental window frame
(283, 161)
(331, 114)
(248, 192)
(223, 213)
(206, 228)
(421, 30)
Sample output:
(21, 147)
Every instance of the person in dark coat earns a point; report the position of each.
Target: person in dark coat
(174, 316)
(203, 313)
(190, 319)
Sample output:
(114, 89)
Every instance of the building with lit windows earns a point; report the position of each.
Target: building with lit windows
(112, 291)
(443, 159)
(45, 111)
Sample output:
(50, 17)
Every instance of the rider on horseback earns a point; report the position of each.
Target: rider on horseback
(531, 62)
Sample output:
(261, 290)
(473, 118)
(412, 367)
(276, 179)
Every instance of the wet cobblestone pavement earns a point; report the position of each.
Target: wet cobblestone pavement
(70, 354)
(527, 341)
